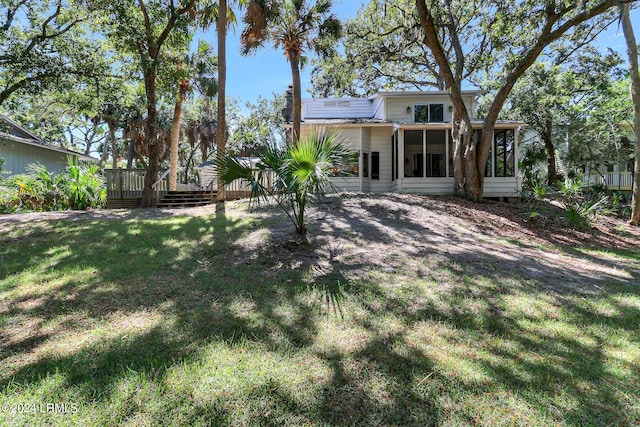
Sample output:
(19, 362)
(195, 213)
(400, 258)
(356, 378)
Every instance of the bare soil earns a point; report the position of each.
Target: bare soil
(385, 230)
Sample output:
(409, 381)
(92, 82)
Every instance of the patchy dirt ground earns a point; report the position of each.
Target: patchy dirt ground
(386, 230)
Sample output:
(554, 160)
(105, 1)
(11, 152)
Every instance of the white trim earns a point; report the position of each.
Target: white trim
(448, 155)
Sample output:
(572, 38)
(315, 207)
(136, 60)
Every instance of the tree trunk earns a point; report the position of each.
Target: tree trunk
(294, 61)
(632, 52)
(175, 139)
(151, 138)
(131, 152)
(552, 173)
(186, 169)
(474, 177)
(221, 134)
(114, 146)
(461, 130)
(460, 135)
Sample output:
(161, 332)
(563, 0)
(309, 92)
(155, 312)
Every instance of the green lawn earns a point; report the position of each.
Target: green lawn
(206, 320)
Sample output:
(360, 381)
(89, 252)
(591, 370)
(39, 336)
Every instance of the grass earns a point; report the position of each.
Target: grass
(216, 320)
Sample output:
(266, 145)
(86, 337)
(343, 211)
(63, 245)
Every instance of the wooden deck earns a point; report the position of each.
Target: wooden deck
(125, 188)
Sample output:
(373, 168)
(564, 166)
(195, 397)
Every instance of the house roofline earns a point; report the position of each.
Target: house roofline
(21, 129)
(476, 124)
(41, 144)
(410, 94)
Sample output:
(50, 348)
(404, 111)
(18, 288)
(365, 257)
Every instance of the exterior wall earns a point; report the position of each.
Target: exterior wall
(380, 141)
(378, 108)
(350, 184)
(18, 155)
(337, 108)
(502, 187)
(396, 107)
(368, 140)
(436, 186)
(493, 187)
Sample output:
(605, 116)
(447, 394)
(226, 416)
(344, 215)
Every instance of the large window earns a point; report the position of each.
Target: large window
(504, 158)
(428, 113)
(413, 154)
(351, 169)
(425, 153)
(436, 153)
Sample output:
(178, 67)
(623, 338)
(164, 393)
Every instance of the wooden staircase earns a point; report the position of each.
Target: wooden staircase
(186, 199)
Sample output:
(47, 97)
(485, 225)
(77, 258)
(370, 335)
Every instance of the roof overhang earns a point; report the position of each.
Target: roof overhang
(39, 144)
(413, 94)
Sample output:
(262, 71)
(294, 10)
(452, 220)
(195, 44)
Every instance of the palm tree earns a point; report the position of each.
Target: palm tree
(224, 17)
(192, 72)
(292, 175)
(296, 27)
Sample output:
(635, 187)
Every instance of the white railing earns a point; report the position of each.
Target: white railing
(613, 180)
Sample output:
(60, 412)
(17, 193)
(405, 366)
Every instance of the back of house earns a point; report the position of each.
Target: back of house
(403, 143)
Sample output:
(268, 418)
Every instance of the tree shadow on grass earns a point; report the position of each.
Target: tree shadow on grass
(389, 336)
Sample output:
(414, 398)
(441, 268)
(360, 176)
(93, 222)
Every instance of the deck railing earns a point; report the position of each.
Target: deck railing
(613, 180)
(240, 188)
(129, 183)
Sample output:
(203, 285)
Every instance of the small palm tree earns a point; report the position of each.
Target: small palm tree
(194, 71)
(294, 175)
(296, 27)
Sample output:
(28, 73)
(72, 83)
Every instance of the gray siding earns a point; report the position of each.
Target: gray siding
(18, 155)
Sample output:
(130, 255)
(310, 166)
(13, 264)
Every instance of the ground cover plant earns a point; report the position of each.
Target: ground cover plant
(396, 310)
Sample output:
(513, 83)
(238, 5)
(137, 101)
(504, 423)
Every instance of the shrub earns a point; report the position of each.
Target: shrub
(581, 207)
(79, 187)
(300, 172)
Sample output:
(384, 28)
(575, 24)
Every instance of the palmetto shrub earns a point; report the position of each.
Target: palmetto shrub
(580, 206)
(292, 176)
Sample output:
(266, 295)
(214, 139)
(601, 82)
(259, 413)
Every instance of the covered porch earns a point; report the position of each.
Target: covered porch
(418, 158)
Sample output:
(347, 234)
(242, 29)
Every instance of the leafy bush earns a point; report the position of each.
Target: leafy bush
(84, 186)
(79, 187)
(39, 189)
(9, 201)
(530, 168)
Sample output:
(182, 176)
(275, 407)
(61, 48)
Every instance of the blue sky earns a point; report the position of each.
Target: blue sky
(268, 70)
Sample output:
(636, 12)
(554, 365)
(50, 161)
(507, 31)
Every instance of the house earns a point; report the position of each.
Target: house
(403, 142)
(19, 148)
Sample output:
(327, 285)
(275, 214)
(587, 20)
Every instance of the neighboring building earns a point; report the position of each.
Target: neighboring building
(19, 148)
(403, 142)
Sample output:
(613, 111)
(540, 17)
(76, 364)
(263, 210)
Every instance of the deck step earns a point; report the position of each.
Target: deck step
(185, 199)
